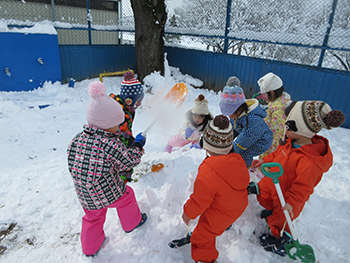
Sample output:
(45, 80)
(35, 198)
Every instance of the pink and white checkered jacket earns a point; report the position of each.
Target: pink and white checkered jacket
(95, 158)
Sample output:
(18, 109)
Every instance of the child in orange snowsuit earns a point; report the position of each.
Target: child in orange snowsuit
(304, 156)
(219, 196)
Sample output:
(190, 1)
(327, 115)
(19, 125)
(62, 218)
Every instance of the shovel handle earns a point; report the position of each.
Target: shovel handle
(274, 176)
(286, 213)
(149, 127)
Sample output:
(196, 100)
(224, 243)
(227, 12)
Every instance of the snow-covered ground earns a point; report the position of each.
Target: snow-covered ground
(40, 216)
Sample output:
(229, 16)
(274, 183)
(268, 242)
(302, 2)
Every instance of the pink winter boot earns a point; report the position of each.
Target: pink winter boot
(168, 148)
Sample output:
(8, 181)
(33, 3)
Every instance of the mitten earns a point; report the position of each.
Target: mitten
(140, 139)
(196, 146)
(188, 132)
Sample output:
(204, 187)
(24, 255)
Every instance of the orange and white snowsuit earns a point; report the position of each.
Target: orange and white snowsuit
(303, 169)
(219, 197)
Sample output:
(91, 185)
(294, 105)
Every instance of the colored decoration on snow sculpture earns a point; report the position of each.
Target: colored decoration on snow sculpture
(157, 167)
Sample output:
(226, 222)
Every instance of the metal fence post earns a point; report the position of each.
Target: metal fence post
(89, 18)
(228, 21)
(120, 20)
(53, 10)
(326, 37)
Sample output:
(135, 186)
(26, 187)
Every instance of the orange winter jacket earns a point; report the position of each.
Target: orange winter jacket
(220, 191)
(303, 169)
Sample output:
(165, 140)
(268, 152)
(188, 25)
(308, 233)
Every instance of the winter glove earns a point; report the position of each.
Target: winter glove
(196, 146)
(140, 139)
(257, 162)
(188, 132)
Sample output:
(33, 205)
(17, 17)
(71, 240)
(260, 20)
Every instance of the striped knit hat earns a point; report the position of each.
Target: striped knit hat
(307, 118)
(131, 89)
(218, 135)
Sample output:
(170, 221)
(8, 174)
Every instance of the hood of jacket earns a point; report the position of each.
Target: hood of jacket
(98, 132)
(319, 152)
(231, 168)
(254, 108)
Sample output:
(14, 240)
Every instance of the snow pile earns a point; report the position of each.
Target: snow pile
(40, 216)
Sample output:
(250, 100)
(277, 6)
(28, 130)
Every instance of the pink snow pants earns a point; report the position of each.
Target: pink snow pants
(92, 234)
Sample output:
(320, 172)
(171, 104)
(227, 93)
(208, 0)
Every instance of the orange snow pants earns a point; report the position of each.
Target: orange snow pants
(268, 198)
(204, 236)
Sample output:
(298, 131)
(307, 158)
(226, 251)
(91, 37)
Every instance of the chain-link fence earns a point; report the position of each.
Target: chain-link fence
(78, 22)
(308, 32)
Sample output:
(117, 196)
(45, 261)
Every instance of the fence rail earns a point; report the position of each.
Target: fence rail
(300, 81)
(307, 32)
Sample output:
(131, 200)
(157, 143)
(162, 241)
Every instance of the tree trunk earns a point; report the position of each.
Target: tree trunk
(150, 17)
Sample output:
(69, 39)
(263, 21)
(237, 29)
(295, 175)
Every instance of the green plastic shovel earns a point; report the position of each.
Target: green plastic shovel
(294, 250)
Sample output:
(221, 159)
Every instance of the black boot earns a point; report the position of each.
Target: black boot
(274, 244)
(180, 242)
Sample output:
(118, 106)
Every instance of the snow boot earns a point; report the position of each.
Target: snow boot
(253, 188)
(180, 242)
(274, 244)
(142, 221)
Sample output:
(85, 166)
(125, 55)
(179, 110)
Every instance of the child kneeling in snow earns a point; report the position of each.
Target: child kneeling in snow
(95, 157)
(304, 156)
(192, 130)
(219, 195)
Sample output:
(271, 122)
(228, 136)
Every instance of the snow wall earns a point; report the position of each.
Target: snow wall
(28, 60)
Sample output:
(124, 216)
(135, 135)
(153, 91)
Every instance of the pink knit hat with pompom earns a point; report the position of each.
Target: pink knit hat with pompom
(103, 111)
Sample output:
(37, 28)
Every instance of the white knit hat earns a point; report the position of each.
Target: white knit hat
(200, 106)
(269, 82)
(218, 135)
